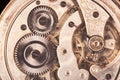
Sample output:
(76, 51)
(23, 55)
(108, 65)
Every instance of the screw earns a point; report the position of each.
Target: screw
(108, 76)
(73, 10)
(71, 24)
(23, 27)
(95, 14)
(63, 4)
(37, 2)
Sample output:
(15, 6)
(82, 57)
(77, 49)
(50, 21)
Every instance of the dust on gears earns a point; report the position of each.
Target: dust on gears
(42, 20)
(34, 55)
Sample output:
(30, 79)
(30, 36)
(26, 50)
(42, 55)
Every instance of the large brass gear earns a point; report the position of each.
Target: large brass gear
(34, 54)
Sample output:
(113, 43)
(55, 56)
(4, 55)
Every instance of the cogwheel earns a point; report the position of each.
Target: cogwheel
(42, 20)
(34, 54)
(95, 49)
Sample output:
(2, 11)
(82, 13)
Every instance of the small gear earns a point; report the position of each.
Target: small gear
(34, 54)
(42, 20)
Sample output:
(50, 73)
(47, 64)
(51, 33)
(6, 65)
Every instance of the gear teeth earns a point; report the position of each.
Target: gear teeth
(48, 10)
(42, 35)
(43, 70)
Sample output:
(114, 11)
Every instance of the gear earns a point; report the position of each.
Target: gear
(109, 47)
(34, 54)
(42, 20)
(95, 49)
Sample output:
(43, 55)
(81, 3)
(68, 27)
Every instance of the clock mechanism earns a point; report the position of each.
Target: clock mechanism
(60, 40)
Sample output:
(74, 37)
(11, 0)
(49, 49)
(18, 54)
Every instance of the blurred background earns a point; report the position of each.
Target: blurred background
(3, 3)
